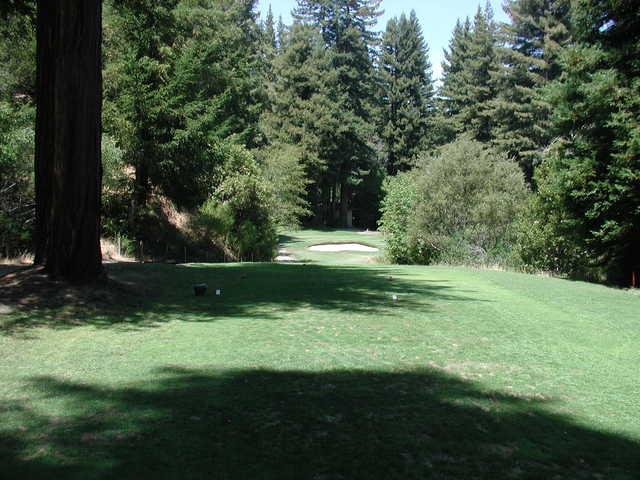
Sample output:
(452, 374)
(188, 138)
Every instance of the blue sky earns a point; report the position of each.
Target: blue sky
(437, 18)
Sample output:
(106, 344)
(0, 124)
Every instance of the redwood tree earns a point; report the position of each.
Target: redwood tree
(68, 168)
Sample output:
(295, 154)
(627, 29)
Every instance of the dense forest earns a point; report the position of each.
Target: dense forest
(219, 127)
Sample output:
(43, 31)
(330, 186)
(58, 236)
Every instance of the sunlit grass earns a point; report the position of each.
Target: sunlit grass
(312, 371)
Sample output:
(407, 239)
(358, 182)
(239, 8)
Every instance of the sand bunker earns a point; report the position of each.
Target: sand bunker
(342, 247)
(285, 258)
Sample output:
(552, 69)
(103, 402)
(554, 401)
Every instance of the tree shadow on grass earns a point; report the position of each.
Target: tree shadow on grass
(263, 424)
(141, 296)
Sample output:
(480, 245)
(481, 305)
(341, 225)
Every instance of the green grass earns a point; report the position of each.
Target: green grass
(297, 243)
(310, 371)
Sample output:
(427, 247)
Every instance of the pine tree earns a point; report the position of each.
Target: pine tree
(281, 33)
(268, 47)
(533, 41)
(452, 94)
(268, 30)
(469, 83)
(482, 65)
(592, 175)
(177, 88)
(407, 92)
(137, 63)
(345, 27)
(301, 118)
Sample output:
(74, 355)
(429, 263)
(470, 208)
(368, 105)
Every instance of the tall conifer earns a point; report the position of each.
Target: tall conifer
(408, 92)
(533, 41)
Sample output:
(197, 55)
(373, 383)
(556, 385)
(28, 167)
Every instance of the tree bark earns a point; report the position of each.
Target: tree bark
(68, 167)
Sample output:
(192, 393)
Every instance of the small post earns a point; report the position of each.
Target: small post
(635, 283)
(185, 254)
(119, 245)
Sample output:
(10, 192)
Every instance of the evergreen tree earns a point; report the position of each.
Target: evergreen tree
(268, 49)
(302, 119)
(469, 83)
(281, 33)
(592, 176)
(269, 31)
(138, 36)
(533, 40)
(345, 27)
(177, 88)
(452, 94)
(17, 118)
(482, 65)
(407, 92)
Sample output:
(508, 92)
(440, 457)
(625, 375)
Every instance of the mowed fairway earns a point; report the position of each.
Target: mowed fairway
(311, 371)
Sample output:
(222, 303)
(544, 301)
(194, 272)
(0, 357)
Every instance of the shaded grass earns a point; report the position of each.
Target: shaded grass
(193, 423)
(311, 371)
(146, 295)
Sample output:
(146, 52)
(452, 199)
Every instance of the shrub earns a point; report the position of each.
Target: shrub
(468, 198)
(400, 198)
(550, 238)
(457, 206)
(237, 218)
(287, 181)
(116, 189)
(16, 177)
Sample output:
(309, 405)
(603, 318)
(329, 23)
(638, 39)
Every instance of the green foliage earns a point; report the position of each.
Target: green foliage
(113, 166)
(16, 177)
(300, 106)
(532, 43)
(469, 79)
(116, 188)
(468, 196)
(17, 55)
(407, 91)
(452, 92)
(324, 93)
(17, 118)
(238, 218)
(593, 173)
(180, 79)
(459, 208)
(400, 199)
(549, 238)
(285, 176)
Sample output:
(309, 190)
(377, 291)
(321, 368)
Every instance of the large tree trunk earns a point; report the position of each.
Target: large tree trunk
(68, 130)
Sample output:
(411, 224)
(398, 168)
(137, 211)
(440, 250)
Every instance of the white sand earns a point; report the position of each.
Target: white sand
(285, 258)
(342, 247)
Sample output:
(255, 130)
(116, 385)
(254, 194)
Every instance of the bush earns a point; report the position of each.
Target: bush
(116, 189)
(237, 218)
(16, 177)
(287, 181)
(457, 206)
(549, 238)
(400, 198)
